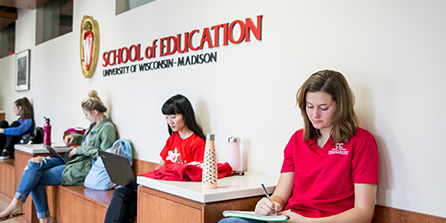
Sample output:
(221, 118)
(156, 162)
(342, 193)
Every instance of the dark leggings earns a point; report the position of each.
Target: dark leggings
(6, 141)
(122, 207)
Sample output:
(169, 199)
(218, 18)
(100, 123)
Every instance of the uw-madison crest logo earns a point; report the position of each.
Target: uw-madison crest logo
(89, 43)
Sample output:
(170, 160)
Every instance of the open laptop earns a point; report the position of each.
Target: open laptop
(64, 157)
(119, 169)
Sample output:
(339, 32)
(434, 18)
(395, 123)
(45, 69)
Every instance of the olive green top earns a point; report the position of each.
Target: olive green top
(101, 137)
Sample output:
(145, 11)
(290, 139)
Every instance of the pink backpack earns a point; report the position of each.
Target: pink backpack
(72, 131)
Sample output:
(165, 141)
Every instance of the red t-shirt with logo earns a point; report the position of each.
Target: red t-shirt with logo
(178, 150)
(324, 178)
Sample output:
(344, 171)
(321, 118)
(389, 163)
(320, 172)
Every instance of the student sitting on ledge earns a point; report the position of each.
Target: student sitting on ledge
(11, 134)
(330, 167)
(185, 144)
(47, 171)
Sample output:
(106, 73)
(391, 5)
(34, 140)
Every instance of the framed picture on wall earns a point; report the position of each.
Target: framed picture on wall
(22, 71)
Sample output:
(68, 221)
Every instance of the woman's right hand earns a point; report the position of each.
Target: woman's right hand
(161, 164)
(68, 140)
(266, 207)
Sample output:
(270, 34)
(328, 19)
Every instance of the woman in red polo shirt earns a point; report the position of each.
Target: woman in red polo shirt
(330, 167)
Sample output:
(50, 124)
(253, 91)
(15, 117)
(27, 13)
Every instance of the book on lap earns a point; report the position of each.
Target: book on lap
(252, 215)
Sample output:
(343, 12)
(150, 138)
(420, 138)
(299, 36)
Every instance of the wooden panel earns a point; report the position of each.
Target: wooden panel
(155, 206)
(99, 197)
(23, 4)
(385, 214)
(8, 15)
(2, 116)
(7, 179)
(213, 212)
(5, 198)
(75, 208)
(141, 166)
(51, 196)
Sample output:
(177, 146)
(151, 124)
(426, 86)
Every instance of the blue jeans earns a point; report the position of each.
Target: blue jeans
(34, 177)
(238, 220)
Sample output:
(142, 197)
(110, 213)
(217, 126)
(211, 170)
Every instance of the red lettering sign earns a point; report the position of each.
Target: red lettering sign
(182, 43)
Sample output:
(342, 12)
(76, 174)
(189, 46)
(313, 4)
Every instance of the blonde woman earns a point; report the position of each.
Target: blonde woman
(46, 171)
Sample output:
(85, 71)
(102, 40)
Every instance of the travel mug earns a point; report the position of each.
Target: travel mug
(234, 153)
(209, 177)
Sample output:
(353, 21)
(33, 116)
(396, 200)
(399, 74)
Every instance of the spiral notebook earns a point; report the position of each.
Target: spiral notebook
(252, 215)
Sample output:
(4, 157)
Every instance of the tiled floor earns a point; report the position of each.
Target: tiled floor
(3, 206)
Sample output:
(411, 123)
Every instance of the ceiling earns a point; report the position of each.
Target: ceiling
(8, 9)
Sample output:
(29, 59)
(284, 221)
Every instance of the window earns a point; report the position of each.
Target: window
(7, 40)
(125, 5)
(54, 19)
(8, 16)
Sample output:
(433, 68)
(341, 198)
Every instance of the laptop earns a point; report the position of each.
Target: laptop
(119, 169)
(64, 157)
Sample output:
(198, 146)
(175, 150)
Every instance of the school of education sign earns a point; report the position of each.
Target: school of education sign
(182, 43)
(89, 45)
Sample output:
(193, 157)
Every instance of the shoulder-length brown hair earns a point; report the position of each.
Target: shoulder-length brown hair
(333, 83)
(27, 108)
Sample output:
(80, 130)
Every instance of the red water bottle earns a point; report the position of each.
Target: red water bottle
(47, 132)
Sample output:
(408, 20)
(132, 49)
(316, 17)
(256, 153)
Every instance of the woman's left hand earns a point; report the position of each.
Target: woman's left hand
(73, 152)
(1, 131)
(294, 217)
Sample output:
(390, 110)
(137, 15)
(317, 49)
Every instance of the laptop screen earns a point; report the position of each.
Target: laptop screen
(119, 169)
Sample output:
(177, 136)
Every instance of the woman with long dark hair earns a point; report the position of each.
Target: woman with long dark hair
(24, 126)
(185, 144)
(184, 131)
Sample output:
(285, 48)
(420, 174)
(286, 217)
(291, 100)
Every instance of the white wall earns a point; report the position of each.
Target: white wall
(392, 53)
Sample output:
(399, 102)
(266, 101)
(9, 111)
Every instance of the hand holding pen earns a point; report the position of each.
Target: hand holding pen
(266, 206)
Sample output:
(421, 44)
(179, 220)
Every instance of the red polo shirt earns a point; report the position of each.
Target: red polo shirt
(324, 178)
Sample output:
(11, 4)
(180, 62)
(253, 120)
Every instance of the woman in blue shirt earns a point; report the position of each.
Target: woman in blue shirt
(11, 134)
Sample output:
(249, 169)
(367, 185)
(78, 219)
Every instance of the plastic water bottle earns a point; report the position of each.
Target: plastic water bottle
(47, 132)
(209, 177)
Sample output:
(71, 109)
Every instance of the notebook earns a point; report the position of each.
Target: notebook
(252, 215)
(119, 169)
(64, 157)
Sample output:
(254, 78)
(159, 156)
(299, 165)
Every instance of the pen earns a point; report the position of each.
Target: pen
(269, 198)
